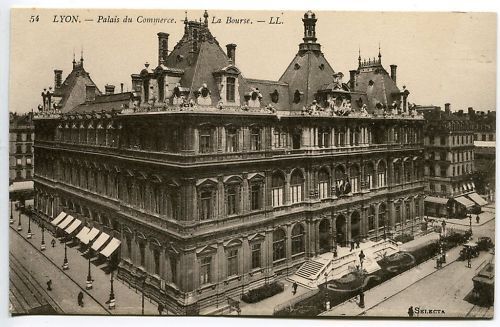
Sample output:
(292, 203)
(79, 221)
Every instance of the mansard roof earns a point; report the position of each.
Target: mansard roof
(106, 102)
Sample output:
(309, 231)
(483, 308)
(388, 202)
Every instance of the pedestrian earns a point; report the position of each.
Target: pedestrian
(410, 312)
(468, 260)
(357, 243)
(49, 285)
(53, 242)
(352, 245)
(160, 308)
(335, 251)
(80, 299)
(438, 262)
(477, 219)
(294, 288)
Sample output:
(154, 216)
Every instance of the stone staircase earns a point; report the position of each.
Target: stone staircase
(324, 267)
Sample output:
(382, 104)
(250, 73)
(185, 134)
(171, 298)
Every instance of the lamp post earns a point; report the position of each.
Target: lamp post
(42, 245)
(112, 302)
(19, 225)
(362, 293)
(11, 220)
(89, 275)
(470, 223)
(65, 262)
(29, 226)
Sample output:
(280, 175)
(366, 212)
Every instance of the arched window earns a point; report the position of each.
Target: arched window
(280, 138)
(256, 186)
(156, 257)
(298, 239)
(279, 244)
(354, 178)
(371, 218)
(172, 203)
(340, 181)
(408, 171)
(297, 187)
(277, 189)
(397, 213)
(323, 184)
(408, 210)
(398, 172)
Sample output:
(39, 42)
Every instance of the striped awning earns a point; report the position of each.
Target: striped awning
(464, 201)
(84, 231)
(437, 200)
(477, 198)
(86, 238)
(111, 247)
(58, 219)
(74, 225)
(65, 222)
(100, 241)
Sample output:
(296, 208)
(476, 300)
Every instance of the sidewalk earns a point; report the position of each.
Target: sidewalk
(128, 302)
(484, 217)
(389, 288)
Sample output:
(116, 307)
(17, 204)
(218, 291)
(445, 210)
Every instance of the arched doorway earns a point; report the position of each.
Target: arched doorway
(341, 229)
(355, 225)
(324, 236)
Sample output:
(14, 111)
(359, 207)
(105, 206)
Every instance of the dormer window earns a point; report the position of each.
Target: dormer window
(371, 83)
(230, 89)
(296, 96)
(275, 96)
(180, 58)
(322, 66)
(296, 66)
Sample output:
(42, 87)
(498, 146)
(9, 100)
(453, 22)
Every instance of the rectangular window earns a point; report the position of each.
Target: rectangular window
(142, 252)
(443, 140)
(205, 141)
(19, 149)
(354, 185)
(323, 138)
(381, 179)
(28, 174)
(443, 188)
(206, 205)
(28, 137)
(443, 171)
(256, 256)
(156, 256)
(173, 268)
(232, 262)
(369, 181)
(19, 161)
(230, 89)
(277, 194)
(231, 140)
(232, 200)
(28, 161)
(205, 264)
(323, 189)
(255, 196)
(255, 141)
(296, 192)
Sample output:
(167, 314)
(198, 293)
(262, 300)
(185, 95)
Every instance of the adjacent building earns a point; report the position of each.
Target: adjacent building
(450, 164)
(217, 183)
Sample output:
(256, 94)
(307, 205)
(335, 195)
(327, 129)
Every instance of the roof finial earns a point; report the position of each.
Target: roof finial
(205, 15)
(81, 56)
(379, 54)
(74, 60)
(359, 56)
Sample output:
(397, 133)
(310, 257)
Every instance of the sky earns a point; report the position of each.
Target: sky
(441, 57)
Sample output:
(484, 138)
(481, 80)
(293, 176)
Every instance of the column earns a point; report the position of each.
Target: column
(376, 221)
(288, 243)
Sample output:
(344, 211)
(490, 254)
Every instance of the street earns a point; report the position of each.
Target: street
(41, 266)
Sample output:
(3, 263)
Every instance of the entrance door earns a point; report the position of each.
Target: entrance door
(355, 225)
(341, 236)
(325, 241)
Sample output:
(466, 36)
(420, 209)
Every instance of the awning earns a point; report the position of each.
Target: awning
(84, 231)
(59, 218)
(111, 247)
(464, 187)
(466, 202)
(65, 222)
(89, 236)
(477, 198)
(100, 241)
(74, 225)
(21, 186)
(469, 186)
(437, 200)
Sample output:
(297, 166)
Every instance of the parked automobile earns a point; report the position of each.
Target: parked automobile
(469, 248)
(485, 243)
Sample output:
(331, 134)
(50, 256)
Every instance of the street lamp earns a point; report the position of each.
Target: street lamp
(29, 226)
(11, 220)
(470, 223)
(112, 302)
(65, 262)
(42, 245)
(89, 275)
(19, 226)
(362, 293)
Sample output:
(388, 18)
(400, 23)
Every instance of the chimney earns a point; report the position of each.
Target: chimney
(470, 111)
(231, 52)
(121, 87)
(447, 108)
(162, 47)
(109, 89)
(393, 72)
(460, 112)
(57, 78)
(90, 92)
(352, 79)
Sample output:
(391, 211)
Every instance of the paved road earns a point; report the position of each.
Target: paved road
(46, 265)
(426, 288)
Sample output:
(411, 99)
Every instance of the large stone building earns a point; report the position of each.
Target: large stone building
(449, 152)
(21, 136)
(216, 183)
